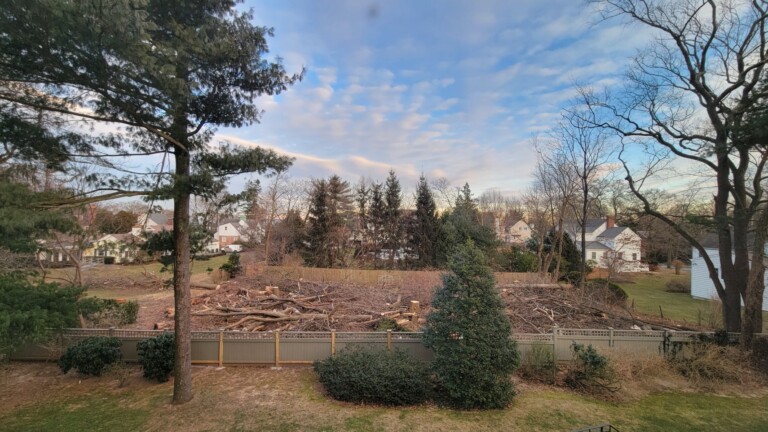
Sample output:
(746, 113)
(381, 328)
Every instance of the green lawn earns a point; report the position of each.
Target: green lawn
(647, 292)
(260, 399)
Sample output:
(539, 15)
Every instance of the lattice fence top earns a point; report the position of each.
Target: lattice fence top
(382, 336)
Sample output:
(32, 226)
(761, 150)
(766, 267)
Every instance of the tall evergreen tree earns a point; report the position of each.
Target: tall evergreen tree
(424, 227)
(339, 218)
(469, 333)
(462, 224)
(167, 72)
(377, 220)
(318, 227)
(393, 230)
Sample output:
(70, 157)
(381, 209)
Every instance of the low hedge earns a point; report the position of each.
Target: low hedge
(92, 355)
(156, 356)
(375, 376)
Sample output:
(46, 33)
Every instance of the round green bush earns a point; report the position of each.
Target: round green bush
(156, 356)
(375, 376)
(92, 355)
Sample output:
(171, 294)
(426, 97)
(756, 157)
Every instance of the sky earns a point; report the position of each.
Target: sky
(454, 89)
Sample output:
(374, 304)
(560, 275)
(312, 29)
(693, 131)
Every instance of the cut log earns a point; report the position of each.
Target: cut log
(204, 285)
(415, 307)
(163, 326)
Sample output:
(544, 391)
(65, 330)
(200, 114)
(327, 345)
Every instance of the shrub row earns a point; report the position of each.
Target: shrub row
(108, 311)
(94, 355)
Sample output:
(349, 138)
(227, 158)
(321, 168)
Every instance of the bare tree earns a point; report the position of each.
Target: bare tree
(558, 185)
(685, 96)
(583, 151)
(275, 200)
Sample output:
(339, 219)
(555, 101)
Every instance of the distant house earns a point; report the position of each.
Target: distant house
(702, 286)
(235, 230)
(609, 246)
(152, 223)
(512, 231)
(122, 247)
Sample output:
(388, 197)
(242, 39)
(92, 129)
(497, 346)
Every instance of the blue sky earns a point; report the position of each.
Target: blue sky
(452, 89)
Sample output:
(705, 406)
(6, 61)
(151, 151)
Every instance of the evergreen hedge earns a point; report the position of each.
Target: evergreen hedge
(375, 376)
(156, 356)
(92, 355)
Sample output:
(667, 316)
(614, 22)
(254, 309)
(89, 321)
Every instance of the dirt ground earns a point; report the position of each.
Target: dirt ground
(344, 306)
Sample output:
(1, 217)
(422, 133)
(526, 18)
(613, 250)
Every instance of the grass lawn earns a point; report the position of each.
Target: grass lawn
(648, 294)
(260, 399)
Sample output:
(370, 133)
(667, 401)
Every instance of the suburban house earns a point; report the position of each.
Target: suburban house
(512, 231)
(123, 247)
(609, 246)
(702, 286)
(235, 230)
(153, 223)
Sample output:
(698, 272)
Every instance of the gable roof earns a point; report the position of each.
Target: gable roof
(595, 245)
(612, 233)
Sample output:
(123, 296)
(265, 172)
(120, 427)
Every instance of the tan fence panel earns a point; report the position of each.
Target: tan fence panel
(306, 347)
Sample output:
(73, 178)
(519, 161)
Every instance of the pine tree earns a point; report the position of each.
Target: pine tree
(167, 73)
(424, 226)
(462, 224)
(377, 220)
(339, 211)
(319, 227)
(470, 336)
(392, 223)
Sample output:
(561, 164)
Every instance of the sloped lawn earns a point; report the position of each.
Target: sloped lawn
(36, 397)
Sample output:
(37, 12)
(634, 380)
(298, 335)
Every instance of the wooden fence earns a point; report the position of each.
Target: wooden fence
(276, 348)
(386, 277)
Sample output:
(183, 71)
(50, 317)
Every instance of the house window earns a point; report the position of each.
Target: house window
(634, 257)
(594, 255)
(621, 255)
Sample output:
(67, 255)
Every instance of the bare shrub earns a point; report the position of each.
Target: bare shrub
(706, 364)
(538, 364)
(678, 287)
(633, 366)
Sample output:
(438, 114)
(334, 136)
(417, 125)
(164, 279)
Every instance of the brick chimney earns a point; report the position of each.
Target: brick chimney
(609, 222)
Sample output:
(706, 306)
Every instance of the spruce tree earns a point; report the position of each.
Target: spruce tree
(319, 228)
(392, 223)
(377, 220)
(424, 228)
(470, 336)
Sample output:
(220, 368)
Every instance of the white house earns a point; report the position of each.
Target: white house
(512, 231)
(235, 230)
(123, 247)
(702, 286)
(609, 246)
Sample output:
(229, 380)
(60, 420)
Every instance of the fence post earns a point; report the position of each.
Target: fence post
(333, 342)
(554, 343)
(221, 348)
(111, 332)
(389, 340)
(610, 338)
(277, 348)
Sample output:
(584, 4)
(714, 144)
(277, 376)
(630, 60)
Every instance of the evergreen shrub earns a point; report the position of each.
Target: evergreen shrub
(375, 376)
(156, 356)
(92, 355)
(590, 370)
(469, 334)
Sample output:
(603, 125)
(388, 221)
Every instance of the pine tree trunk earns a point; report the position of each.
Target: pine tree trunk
(182, 369)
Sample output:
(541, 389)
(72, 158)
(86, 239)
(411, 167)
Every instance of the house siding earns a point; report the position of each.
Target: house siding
(701, 284)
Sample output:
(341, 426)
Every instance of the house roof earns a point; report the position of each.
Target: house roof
(158, 218)
(593, 245)
(613, 232)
